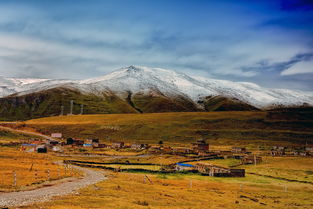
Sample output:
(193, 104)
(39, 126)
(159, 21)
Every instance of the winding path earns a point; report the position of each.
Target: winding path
(21, 198)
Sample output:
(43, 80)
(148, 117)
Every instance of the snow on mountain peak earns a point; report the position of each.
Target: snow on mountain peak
(140, 79)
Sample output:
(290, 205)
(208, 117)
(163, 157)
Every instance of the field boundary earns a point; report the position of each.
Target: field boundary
(281, 178)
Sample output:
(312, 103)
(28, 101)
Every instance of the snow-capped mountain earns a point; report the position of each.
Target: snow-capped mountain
(10, 86)
(141, 79)
(157, 82)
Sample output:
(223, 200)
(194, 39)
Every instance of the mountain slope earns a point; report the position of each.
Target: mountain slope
(48, 103)
(140, 89)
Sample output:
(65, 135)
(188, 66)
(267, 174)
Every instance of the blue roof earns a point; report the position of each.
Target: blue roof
(185, 164)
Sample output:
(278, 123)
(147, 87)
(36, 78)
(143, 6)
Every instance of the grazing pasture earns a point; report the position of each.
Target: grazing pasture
(249, 128)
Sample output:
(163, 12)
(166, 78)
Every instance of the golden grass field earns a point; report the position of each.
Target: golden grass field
(31, 169)
(261, 188)
(182, 191)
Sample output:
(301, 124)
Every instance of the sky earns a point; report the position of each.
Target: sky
(268, 42)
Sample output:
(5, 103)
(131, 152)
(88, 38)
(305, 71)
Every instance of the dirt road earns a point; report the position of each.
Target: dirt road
(21, 198)
(26, 132)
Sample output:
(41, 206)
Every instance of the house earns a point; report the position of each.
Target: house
(87, 145)
(154, 149)
(28, 147)
(93, 142)
(53, 142)
(278, 150)
(139, 146)
(57, 149)
(167, 150)
(101, 146)
(41, 149)
(309, 149)
(69, 141)
(301, 153)
(76, 142)
(185, 167)
(200, 146)
(56, 135)
(117, 145)
(251, 159)
(219, 171)
(238, 150)
(182, 150)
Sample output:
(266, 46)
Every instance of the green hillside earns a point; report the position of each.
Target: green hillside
(185, 127)
(48, 103)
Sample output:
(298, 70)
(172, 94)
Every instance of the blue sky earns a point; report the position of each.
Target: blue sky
(266, 42)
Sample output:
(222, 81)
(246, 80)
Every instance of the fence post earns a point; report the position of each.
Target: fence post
(285, 188)
(59, 173)
(14, 179)
(36, 174)
(190, 183)
(48, 171)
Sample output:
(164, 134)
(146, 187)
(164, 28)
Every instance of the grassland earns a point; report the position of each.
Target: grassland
(274, 183)
(232, 128)
(9, 136)
(184, 191)
(31, 169)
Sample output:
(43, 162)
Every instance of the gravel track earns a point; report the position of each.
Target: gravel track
(46, 193)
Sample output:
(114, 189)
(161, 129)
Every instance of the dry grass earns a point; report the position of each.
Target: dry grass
(297, 168)
(132, 191)
(31, 169)
(246, 128)
(125, 119)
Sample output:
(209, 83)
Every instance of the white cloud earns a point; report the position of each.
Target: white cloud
(299, 68)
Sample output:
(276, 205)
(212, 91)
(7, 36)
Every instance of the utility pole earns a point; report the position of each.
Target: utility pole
(81, 109)
(71, 108)
(62, 110)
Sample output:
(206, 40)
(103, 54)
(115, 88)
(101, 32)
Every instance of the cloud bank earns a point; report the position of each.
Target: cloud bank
(268, 42)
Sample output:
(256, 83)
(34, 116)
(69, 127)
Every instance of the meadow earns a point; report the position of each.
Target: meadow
(248, 128)
(31, 170)
(277, 182)
(185, 191)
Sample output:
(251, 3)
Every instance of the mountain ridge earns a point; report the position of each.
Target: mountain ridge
(144, 89)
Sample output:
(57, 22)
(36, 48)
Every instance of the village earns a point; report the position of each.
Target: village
(198, 152)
